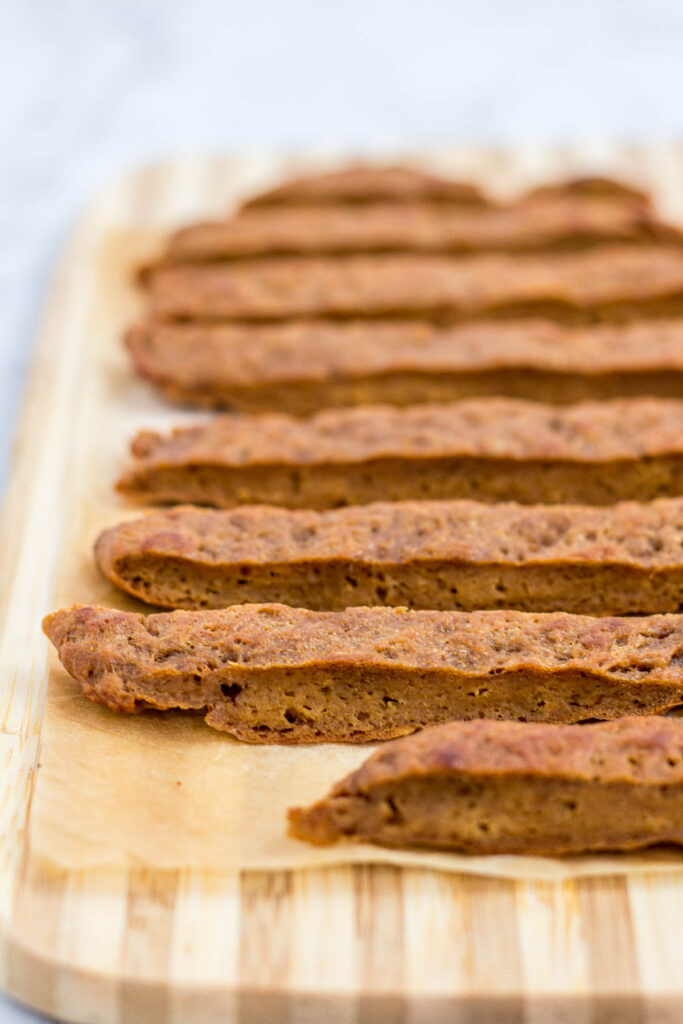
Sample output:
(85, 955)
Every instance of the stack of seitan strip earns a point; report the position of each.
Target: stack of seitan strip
(339, 289)
(430, 509)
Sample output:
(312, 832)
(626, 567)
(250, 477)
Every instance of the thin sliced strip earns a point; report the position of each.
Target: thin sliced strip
(490, 449)
(504, 787)
(615, 283)
(460, 555)
(303, 366)
(369, 183)
(363, 183)
(273, 674)
(544, 223)
(593, 185)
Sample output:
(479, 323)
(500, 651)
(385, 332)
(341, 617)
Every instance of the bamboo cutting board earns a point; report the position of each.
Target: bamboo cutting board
(359, 943)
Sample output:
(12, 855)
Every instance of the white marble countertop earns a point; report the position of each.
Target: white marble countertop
(89, 88)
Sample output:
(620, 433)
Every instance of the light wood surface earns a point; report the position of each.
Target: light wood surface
(352, 944)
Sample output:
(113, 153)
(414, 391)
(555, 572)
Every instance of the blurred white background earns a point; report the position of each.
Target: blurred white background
(89, 88)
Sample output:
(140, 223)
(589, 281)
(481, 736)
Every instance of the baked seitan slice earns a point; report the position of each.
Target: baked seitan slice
(370, 183)
(302, 366)
(274, 674)
(504, 787)
(593, 185)
(460, 555)
(616, 283)
(489, 449)
(545, 222)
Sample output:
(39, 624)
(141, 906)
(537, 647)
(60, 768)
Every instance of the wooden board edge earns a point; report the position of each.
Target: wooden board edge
(21, 709)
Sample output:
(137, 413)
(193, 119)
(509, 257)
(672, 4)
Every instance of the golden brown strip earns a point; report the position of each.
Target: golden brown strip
(505, 787)
(547, 222)
(593, 185)
(369, 183)
(618, 560)
(614, 283)
(301, 367)
(489, 449)
(272, 674)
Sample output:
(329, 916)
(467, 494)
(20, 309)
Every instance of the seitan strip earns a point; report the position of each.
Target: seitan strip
(615, 283)
(545, 222)
(593, 185)
(489, 449)
(505, 787)
(622, 559)
(273, 674)
(370, 183)
(618, 560)
(303, 366)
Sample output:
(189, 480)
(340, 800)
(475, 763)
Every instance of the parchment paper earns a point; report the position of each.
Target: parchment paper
(165, 790)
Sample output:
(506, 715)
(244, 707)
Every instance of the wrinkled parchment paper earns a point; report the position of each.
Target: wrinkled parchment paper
(164, 790)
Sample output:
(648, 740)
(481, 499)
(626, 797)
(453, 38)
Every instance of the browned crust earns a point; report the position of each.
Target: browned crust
(632, 762)
(610, 283)
(204, 660)
(363, 183)
(303, 366)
